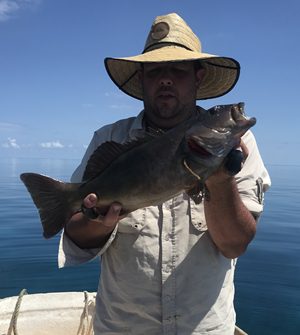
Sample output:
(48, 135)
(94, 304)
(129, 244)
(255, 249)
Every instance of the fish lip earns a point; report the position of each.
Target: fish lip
(194, 146)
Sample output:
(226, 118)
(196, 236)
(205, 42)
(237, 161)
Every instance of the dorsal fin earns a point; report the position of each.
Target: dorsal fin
(106, 153)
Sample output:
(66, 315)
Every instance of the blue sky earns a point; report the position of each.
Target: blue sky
(54, 91)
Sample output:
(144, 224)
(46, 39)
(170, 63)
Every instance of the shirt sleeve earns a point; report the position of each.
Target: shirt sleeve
(253, 180)
(69, 253)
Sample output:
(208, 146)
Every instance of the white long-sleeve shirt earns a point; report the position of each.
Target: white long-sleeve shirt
(161, 273)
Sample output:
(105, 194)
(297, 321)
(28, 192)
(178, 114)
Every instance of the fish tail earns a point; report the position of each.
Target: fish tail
(55, 201)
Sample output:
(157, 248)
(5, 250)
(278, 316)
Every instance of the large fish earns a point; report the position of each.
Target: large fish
(146, 171)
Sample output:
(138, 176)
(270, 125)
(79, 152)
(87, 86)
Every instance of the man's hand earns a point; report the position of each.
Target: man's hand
(93, 232)
(229, 222)
(236, 158)
(233, 164)
(90, 210)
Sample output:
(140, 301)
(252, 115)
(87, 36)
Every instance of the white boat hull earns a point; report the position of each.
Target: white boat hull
(63, 313)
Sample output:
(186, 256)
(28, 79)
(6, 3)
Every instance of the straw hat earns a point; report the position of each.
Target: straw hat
(171, 39)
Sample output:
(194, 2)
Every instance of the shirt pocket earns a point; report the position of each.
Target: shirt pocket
(127, 249)
(133, 223)
(197, 216)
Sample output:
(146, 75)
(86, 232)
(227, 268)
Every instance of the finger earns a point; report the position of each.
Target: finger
(112, 216)
(233, 163)
(90, 200)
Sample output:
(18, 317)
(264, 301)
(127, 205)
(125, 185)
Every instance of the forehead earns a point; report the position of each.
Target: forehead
(183, 65)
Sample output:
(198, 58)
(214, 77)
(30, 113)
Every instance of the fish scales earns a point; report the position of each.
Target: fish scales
(146, 171)
(147, 174)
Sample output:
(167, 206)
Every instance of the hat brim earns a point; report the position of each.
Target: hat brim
(221, 73)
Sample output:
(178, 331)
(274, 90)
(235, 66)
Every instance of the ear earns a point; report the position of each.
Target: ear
(199, 76)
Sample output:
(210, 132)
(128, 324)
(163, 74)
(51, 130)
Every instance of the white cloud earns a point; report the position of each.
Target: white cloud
(52, 145)
(11, 143)
(9, 127)
(8, 8)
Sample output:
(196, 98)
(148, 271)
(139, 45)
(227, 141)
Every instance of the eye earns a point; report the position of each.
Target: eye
(179, 71)
(151, 73)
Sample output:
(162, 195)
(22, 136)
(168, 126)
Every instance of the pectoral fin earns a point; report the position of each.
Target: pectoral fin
(196, 193)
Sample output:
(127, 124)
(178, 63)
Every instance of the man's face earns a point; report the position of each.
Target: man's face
(170, 91)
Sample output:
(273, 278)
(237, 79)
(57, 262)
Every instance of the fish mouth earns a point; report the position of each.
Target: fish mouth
(198, 149)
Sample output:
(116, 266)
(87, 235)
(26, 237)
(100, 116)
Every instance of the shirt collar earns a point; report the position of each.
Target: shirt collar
(138, 126)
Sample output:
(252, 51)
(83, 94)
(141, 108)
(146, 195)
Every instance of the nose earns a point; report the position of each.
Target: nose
(165, 79)
(166, 82)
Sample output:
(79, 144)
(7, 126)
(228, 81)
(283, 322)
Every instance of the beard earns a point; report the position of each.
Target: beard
(167, 114)
(164, 104)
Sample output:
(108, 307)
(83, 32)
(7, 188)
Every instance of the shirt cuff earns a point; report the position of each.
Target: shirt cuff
(69, 254)
(254, 207)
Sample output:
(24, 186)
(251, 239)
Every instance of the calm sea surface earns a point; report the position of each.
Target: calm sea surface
(267, 276)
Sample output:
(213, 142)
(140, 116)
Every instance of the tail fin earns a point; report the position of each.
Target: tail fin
(53, 200)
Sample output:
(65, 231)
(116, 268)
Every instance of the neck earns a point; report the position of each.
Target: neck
(164, 125)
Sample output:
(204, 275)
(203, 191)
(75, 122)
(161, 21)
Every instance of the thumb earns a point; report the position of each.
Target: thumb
(90, 200)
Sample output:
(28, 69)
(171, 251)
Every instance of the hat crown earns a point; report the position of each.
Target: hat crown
(172, 40)
(171, 29)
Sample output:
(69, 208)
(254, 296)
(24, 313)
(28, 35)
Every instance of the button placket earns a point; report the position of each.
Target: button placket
(168, 279)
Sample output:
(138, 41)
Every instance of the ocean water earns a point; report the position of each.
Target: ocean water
(267, 277)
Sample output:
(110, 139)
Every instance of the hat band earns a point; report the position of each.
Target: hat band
(150, 47)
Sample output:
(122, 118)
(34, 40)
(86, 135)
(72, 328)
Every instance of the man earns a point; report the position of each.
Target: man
(169, 269)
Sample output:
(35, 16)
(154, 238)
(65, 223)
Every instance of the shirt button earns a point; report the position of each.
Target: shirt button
(198, 224)
(167, 269)
(167, 237)
(168, 297)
